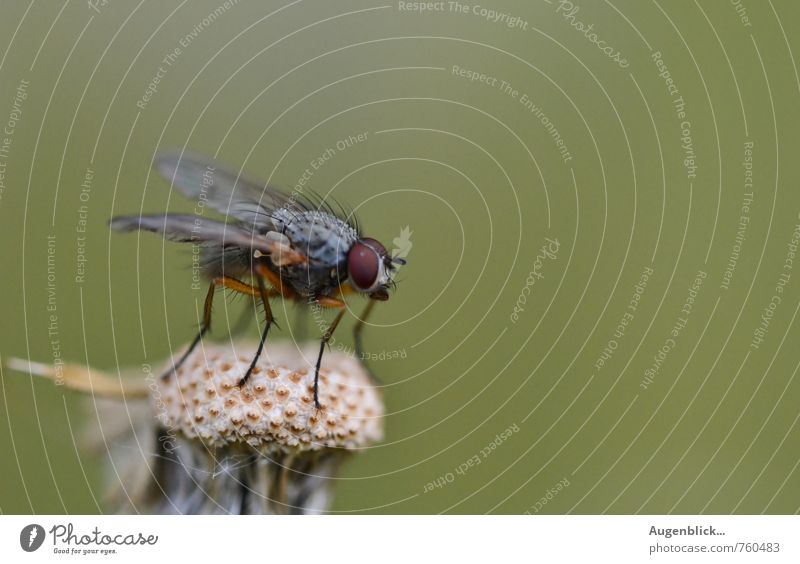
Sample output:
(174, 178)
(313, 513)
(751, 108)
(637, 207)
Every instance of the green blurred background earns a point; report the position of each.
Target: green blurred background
(476, 173)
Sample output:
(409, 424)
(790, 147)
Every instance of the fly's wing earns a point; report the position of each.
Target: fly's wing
(194, 229)
(209, 233)
(202, 180)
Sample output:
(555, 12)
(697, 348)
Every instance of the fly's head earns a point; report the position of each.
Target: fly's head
(371, 268)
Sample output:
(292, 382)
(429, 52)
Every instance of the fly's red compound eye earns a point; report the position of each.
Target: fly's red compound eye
(363, 265)
(375, 245)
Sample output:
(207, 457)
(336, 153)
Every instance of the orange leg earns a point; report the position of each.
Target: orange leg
(244, 317)
(261, 291)
(275, 281)
(330, 303)
(236, 286)
(344, 289)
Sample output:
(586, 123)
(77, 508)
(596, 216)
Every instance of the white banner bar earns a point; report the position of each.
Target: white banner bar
(388, 539)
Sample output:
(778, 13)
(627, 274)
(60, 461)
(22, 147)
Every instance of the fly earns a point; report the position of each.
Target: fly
(285, 246)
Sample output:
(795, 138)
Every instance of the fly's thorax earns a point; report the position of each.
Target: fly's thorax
(325, 240)
(318, 235)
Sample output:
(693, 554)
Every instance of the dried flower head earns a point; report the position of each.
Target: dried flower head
(194, 442)
(275, 410)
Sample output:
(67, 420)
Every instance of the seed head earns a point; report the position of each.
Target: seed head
(274, 410)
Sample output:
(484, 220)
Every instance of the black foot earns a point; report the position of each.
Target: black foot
(246, 377)
(316, 389)
(185, 355)
(316, 370)
(253, 363)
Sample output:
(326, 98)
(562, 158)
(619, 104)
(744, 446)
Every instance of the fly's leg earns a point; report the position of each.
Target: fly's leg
(204, 327)
(241, 323)
(261, 291)
(358, 339)
(276, 282)
(269, 320)
(327, 303)
(236, 286)
(244, 317)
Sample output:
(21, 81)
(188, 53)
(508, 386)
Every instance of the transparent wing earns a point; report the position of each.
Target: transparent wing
(202, 180)
(193, 229)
